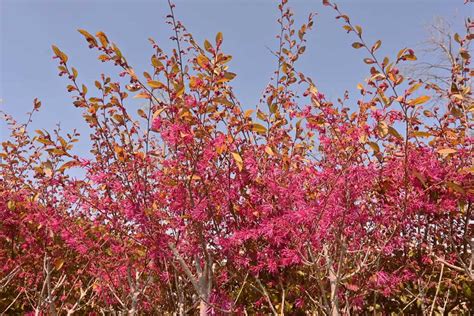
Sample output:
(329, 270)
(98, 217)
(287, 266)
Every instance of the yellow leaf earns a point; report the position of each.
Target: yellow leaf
(468, 170)
(142, 95)
(67, 165)
(447, 151)
(102, 38)
(269, 150)
(156, 62)
(155, 84)
(273, 108)
(456, 187)
(202, 61)
(207, 46)
(413, 88)
(219, 38)
(261, 115)
(56, 50)
(74, 72)
(142, 113)
(419, 100)
(223, 100)
(59, 264)
(59, 53)
(394, 132)
(259, 128)
(103, 57)
(44, 141)
(401, 52)
(118, 118)
(57, 152)
(11, 205)
(238, 161)
(421, 134)
(194, 82)
(376, 46)
(377, 76)
(120, 152)
(457, 38)
(375, 147)
(229, 75)
(118, 149)
(48, 168)
(117, 51)
(220, 149)
(88, 36)
(383, 128)
(313, 89)
(158, 112)
(179, 90)
(248, 113)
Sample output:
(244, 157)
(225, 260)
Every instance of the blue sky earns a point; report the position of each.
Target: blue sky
(29, 27)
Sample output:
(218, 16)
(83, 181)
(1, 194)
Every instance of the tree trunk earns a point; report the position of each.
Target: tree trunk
(333, 283)
(203, 308)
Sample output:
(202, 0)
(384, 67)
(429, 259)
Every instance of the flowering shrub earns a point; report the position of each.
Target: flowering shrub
(197, 204)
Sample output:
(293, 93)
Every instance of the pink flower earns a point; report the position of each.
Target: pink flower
(99, 177)
(190, 101)
(156, 124)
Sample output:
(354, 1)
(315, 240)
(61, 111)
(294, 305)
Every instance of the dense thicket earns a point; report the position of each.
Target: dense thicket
(195, 204)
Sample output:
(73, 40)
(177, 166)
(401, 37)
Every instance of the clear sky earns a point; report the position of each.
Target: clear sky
(29, 27)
